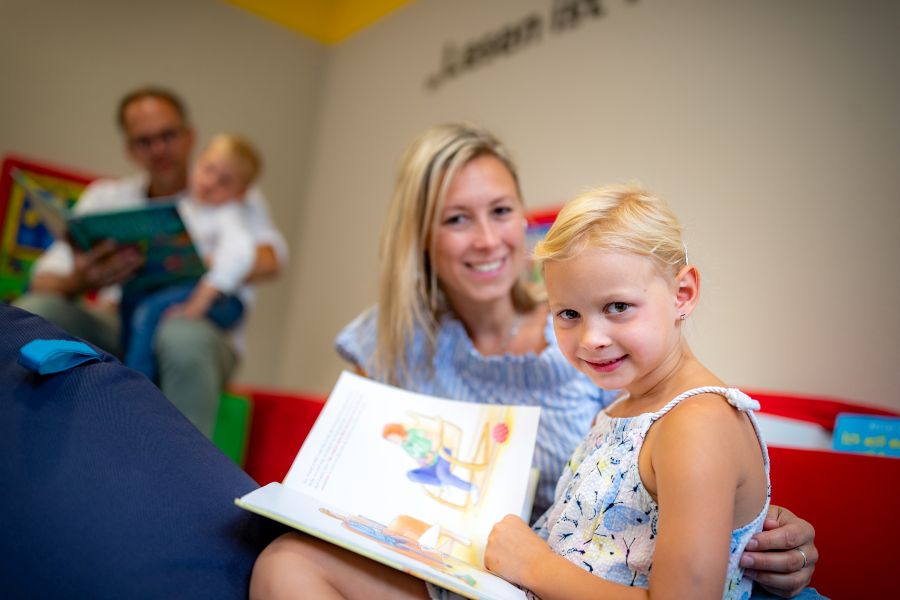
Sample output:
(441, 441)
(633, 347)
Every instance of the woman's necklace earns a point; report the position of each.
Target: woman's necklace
(511, 334)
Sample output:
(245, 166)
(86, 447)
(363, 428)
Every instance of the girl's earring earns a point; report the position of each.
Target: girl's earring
(682, 316)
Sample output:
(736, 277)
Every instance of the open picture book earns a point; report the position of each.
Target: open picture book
(156, 230)
(410, 480)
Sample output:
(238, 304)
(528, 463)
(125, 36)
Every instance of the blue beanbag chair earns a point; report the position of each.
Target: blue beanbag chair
(108, 491)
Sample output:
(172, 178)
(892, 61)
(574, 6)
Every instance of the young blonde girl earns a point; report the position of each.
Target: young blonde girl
(672, 481)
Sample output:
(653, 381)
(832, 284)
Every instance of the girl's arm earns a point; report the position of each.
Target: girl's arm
(699, 456)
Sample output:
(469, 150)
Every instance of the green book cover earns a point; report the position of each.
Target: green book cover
(156, 230)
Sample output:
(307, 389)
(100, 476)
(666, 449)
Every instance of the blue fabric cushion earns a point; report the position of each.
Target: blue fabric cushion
(108, 490)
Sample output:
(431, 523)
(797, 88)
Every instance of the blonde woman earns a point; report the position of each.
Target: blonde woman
(455, 320)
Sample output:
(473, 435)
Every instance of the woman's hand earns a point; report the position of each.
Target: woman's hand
(782, 557)
(513, 550)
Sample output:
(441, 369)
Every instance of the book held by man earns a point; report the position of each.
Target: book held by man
(155, 230)
(412, 481)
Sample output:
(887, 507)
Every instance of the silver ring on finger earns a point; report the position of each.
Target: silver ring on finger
(803, 554)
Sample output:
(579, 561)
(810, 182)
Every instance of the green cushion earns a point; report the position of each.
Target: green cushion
(233, 426)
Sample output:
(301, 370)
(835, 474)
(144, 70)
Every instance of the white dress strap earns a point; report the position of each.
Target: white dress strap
(735, 397)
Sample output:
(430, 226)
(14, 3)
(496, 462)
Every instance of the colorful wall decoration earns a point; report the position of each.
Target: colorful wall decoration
(23, 236)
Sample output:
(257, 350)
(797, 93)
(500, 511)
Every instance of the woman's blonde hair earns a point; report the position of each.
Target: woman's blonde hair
(409, 295)
(623, 218)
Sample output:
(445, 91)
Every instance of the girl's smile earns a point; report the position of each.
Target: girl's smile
(606, 366)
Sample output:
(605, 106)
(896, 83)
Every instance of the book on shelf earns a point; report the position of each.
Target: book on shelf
(410, 480)
(156, 230)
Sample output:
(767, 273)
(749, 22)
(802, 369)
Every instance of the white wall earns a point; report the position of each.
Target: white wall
(771, 126)
(64, 65)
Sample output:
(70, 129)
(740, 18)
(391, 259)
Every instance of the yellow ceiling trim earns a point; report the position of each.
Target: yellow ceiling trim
(327, 21)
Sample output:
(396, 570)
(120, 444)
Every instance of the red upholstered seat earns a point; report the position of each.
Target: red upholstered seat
(849, 498)
(280, 422)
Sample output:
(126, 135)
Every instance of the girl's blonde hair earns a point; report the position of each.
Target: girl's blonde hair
(623, 218)
(409, 295)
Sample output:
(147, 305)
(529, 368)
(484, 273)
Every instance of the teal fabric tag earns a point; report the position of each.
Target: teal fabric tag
(53, 356)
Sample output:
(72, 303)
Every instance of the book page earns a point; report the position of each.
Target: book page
(454, 468)
(387, 543)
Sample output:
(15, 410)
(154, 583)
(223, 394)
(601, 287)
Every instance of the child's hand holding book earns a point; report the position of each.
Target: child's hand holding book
(515, 552)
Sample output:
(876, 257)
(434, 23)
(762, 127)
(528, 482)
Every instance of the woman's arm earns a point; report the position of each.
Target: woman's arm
(359, 370)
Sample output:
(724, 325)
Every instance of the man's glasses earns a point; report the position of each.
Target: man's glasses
(165, 137)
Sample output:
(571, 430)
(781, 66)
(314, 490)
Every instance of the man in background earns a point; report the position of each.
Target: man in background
(195, 357)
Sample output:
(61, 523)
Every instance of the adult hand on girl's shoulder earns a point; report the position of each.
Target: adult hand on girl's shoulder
(514, 551)
(772, 558)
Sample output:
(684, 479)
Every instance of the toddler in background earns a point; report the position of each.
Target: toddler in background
(214, 216)
(674, 474)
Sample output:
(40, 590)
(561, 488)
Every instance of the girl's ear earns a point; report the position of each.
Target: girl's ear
(687, 290)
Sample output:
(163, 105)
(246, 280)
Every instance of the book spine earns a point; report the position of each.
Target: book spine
(79, 235)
